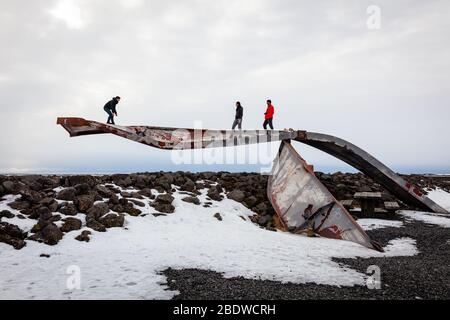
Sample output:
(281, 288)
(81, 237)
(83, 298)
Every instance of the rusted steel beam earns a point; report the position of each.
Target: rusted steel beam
(304, 204)
(175, 138)
(181, 138)
(79, 126)
(366, 163)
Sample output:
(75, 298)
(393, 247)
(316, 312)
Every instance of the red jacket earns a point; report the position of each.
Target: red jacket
(269, 112)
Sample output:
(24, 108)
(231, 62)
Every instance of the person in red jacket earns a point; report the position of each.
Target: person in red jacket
(268, 115)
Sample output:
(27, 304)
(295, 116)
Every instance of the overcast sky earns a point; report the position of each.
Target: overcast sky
(176, 63)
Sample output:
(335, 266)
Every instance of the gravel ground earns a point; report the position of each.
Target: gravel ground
(424, 276)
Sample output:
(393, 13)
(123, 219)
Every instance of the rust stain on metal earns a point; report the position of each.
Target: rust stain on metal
(301, 135)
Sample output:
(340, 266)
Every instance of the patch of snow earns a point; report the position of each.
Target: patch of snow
(59, 223)
(441, 197)
(396, 247)
(8, 199)
(24, 224)
(428, 217)
(145, 200)
(372, 224)
(189, 238)
(399, 247)
(58, 189)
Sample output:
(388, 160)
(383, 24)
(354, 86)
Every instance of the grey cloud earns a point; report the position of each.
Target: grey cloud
(183, 61)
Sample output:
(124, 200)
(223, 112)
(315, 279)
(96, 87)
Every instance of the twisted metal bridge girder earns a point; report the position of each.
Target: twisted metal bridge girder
(186, 138)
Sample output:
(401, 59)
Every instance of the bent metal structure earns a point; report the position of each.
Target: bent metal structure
(305, 205)
(299, 198)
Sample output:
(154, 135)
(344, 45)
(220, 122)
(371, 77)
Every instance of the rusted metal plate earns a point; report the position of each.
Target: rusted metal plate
(370, 166)
(304, 204)
(175, 138)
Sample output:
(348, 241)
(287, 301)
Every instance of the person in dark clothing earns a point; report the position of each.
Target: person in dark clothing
(268, 115)
(238, 117)
(110, 109)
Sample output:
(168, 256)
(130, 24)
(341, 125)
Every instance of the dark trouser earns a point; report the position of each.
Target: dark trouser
(268, 122)
(110, 114)
(237, 122)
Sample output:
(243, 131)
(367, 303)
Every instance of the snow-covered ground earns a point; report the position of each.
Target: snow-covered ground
(428, 217)
(440, 197)
(372, 224)
(24, 224)
(126, 263)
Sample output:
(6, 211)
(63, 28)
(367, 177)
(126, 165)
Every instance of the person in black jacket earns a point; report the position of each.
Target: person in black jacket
(238, 116)
(110, 108)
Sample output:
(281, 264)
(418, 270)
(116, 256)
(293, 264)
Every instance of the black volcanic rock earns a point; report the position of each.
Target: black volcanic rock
(72, 181)
(51, 234)
(146, 192)
(137, 202)
(67, 194)
(103, 191)
(261, 208)
(13, 187)
(95, 225)
(164, 198)
(84, 236)
(163, 207)
(19, 205)
(236, 195)
(6, 214)
(84, 202)
(68, 209)
(71, 224)
(82, 188)
(250, 201)
(131, 210)
(164, 181)
(189, 185)
(214, 193)
(12, 235)
(30, 196)
(163, 203)
(191, 199)
(112, 220)
(97, 211)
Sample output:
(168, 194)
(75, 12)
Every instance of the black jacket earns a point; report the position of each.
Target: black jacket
(111, 105)
(239, 112)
